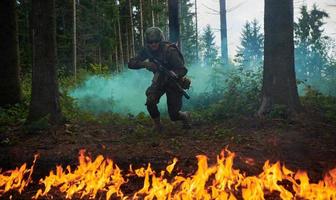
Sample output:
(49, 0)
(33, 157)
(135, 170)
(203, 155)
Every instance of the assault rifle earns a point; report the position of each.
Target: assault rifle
(170, 74)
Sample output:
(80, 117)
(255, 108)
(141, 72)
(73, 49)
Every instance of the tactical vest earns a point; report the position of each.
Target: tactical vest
(165, 46)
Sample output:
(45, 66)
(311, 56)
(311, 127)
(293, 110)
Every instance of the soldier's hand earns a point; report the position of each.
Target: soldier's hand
(151, 66)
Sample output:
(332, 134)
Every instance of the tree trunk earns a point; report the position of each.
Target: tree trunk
(116, 58)
(132, 45)
(152, 12)
(45, 94)
(74, 70)
(174, 26)
(116, 47)
(141, 24)
(279, 82)
(223, 26)
(127, 45)
(181, 21)
(120, 44)
(157, 14)
(10, 90)
(196, 20)
(166, 21)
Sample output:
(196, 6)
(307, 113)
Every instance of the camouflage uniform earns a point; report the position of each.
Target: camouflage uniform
(171, 58)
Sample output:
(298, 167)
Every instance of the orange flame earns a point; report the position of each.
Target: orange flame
(220, 181)
(170, 167)
(89, 178)
(15, 179)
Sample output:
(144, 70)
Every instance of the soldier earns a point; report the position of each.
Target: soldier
(171, 58)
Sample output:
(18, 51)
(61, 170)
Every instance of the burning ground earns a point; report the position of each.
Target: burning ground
(301, 145)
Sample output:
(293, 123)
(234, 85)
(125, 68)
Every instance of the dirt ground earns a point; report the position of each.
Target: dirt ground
(305, 143)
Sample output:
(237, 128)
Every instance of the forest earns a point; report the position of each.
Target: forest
(81, 97)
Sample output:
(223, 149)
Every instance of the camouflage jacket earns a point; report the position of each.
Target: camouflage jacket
(168, 54)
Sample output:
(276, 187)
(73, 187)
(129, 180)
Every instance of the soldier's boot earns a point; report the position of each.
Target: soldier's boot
(186, 120)
(157, 126)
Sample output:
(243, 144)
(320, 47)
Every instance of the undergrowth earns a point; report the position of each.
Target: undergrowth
(236, 93)
(316, 101)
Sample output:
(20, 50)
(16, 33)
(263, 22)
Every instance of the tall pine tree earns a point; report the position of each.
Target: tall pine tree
(209, 49)
(188, 32)
(250, 52)
(311, 45)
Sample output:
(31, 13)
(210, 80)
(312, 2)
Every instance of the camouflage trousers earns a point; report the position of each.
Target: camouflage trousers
(174, 100)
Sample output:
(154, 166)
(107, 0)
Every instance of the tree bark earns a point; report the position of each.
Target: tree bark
(166, 20)
(279, 82)
(132, 45)
(152, 12)
(45, 94)
(181, 21)
(116, 58)
(120, 45)
(10, 90)
(174, 26)
(141, 23)
(74, 70)
(116, 47)
(196, 20)
(157, 14)
(127, 45)
(223, 25)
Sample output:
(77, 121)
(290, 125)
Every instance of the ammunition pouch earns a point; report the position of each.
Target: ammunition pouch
(185, 82)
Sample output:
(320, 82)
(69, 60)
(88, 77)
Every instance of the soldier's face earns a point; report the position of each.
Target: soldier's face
(153, 46)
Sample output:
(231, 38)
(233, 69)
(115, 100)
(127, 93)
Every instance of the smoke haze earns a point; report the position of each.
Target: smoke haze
(124, 93)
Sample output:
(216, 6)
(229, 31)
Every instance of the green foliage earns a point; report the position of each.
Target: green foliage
(279, 111)
(41, 124)
(15, 115)
(316, 101)
(208, 48)
(314, 51)
(229, 93)
(238, 94)
(97, 37)
(188, 32)
(69, 105)
(250, 53)
(96, 27)
(98, 69)
(224, 133)
(64, 34)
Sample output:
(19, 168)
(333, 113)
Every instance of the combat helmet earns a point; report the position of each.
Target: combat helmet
(154, 34)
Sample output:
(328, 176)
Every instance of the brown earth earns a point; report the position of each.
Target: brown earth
(305, 143)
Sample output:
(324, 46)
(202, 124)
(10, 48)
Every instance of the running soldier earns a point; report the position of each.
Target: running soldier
(171, 58)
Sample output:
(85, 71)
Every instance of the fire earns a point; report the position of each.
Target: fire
(89, 178)
(16, 179)
(219, 181)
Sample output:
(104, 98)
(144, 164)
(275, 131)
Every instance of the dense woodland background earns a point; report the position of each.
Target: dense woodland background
(57, 45)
